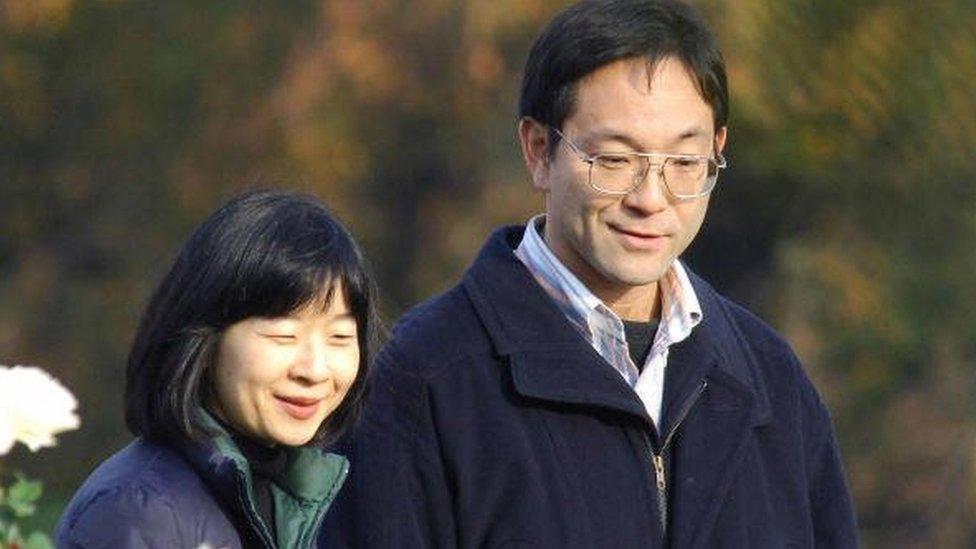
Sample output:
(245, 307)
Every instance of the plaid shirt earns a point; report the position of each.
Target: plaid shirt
(604, 330)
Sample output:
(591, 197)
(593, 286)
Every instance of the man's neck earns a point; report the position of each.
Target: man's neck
(637, 303)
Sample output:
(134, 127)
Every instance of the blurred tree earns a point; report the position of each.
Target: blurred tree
(100, 105)
(848, 217)
(857, 121)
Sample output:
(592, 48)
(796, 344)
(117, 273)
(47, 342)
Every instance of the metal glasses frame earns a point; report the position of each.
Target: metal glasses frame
(718, 160)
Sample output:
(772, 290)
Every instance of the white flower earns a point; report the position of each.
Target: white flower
(34, 408)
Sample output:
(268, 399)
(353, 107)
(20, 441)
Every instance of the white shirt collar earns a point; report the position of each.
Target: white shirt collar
(680, 308)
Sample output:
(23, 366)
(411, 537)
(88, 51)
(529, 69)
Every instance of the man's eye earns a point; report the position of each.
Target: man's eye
(613, 162)
(687, 163)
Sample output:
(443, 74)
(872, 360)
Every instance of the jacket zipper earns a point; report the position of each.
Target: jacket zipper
(657, 458)
(251, 513)
(316, 528)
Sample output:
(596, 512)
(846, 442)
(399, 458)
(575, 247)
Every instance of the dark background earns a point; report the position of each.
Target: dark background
(847, 218)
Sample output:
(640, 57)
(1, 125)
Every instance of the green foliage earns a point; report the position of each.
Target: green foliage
(864, 112)
(17, 502)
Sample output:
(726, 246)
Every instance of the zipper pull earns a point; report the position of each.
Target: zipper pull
(662, 496)
(658, 460)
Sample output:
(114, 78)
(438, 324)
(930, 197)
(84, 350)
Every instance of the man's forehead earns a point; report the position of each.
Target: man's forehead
(643, 73)
(664, 93)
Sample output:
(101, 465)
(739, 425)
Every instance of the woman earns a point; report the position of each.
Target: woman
(252, 353)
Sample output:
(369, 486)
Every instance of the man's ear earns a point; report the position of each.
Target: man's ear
(534, 137)
(720, 136)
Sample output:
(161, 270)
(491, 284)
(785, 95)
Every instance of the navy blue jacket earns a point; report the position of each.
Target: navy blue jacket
(151, 495)
(493, 423)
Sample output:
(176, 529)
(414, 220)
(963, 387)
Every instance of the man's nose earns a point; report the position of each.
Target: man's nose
(649, 192)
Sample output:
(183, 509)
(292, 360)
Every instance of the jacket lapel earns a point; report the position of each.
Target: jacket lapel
(549, 359)
(707, 457)
(734, 356)
(715, 437)
(573, 376)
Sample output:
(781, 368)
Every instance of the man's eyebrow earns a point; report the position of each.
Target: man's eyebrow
(612, 136)
(692, 133)
(605, 136)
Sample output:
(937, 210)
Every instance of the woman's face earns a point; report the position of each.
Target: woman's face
(277, 379)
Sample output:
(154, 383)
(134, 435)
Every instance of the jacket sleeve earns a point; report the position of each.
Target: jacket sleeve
(125, 518)
(401, 490)
(831, 507)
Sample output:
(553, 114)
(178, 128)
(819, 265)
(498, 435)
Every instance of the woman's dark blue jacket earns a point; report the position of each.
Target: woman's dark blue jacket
(191, 495)
(492, 423)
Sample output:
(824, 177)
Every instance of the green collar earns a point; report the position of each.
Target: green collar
(302, 492)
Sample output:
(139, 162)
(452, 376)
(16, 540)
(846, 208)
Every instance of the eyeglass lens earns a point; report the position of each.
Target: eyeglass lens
(622, 173)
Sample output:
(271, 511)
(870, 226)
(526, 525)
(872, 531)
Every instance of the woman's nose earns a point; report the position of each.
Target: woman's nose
(312, 364)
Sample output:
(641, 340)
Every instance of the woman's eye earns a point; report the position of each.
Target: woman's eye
(281, 338)
(342, 337)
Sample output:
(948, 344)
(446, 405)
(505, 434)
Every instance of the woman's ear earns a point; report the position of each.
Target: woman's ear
(534, 138)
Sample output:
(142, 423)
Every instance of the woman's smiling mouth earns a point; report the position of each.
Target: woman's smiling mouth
(299, 407)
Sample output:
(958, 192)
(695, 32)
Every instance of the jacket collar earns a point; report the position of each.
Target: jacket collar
(550, 360)
(308, 484)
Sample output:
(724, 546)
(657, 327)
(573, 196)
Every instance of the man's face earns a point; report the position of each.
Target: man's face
(616, 243)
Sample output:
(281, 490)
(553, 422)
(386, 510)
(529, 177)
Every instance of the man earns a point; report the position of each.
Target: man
(580, 387)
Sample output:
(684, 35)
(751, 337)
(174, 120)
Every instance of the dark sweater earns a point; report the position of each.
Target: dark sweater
(640, 337)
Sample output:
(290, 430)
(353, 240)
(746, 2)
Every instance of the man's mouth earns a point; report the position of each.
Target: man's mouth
(638, 239)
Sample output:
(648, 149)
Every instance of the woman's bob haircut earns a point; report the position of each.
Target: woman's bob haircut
(263, 254)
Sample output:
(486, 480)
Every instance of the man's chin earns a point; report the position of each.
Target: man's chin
(641, 281)
(635, 277)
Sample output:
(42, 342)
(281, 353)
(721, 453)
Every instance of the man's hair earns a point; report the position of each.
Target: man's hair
(595, 33)
(263, 254)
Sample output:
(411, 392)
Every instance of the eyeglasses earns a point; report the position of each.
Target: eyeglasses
(685, 176)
